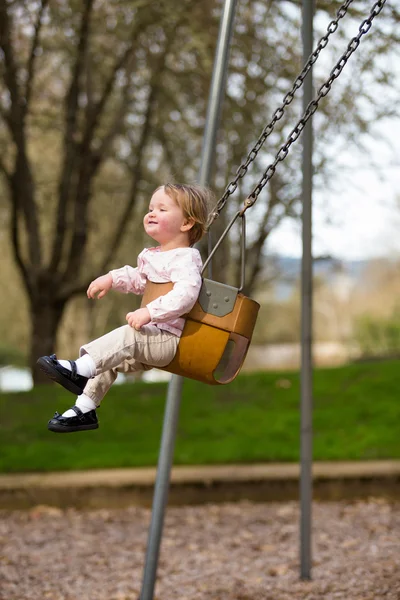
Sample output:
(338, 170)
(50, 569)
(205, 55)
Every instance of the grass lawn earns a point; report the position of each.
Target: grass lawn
(254, 419)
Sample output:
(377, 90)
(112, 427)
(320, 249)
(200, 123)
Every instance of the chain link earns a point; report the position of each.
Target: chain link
(311, 108)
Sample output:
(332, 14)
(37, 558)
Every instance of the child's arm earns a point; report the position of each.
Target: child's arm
(131, 282)
(128, 280)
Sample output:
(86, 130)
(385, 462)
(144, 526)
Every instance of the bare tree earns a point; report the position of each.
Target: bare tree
(94, 90)
(99, 95)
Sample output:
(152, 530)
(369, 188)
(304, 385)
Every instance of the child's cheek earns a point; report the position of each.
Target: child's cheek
(162, 224)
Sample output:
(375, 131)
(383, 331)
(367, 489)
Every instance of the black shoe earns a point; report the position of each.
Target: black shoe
(81, 422)
(69, 379)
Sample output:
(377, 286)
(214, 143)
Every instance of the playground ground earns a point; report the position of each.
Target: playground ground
(227, 551)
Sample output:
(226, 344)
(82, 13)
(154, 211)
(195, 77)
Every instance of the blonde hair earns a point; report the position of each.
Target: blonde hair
(196, 202)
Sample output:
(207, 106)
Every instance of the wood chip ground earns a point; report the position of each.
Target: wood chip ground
(238, 551)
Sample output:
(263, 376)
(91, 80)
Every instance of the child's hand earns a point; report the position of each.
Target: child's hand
(100, 286)
(138, 318)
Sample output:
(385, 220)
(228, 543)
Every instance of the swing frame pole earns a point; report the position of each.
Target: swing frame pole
(306, 311)
(174, 394)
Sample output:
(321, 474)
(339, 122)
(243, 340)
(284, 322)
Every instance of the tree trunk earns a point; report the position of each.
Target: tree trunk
(45, 319)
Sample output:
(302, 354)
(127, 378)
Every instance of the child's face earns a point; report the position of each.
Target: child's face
(164, 222)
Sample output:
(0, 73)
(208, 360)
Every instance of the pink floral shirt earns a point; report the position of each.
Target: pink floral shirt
(181, 266)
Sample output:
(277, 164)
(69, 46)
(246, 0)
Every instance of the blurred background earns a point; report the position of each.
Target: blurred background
(101, 102)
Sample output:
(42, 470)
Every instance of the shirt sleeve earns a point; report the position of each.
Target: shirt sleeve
(185, 274)
(129, 279)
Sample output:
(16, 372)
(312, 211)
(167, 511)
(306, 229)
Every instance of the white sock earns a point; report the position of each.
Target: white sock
(84, 403)
(85, 365)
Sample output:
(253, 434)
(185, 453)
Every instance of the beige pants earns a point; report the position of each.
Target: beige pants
(125, 350)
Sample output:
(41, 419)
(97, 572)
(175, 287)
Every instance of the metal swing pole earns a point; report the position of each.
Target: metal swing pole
(174, 394)
(306, 312)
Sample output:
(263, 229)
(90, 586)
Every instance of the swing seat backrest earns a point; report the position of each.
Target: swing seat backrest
(216, 335)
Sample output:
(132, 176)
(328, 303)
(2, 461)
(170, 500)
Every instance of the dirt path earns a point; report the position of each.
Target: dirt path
(214, 552)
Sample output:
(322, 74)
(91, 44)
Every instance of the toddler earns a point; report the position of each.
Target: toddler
(176, 220)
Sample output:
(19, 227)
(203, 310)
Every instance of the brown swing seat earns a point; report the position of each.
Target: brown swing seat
(216, 335)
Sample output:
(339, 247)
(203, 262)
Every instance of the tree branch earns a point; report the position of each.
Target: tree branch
(6, 118)
(256, 248)
(114, 127)
(32, 56)
(265, 229)
(73, 289)
(70, 142)
(136, 176)
(79, 239)
(82, 200)
(11, 75)
(139, 152)
(17, 250)
(90, 162)
(94, 113)
(21, 179)
(5, 172)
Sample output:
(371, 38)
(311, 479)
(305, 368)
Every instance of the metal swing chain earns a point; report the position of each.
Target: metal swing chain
(312, 107)
(280, 111)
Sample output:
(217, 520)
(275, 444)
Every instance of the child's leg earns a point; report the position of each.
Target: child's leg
(150, 346)
(135, 351)
(82, 416)
(98, 387)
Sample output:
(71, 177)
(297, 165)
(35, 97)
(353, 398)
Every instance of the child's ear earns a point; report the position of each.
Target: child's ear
(187, 224)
